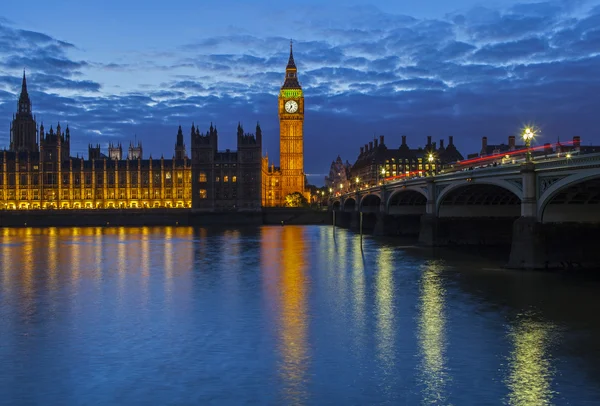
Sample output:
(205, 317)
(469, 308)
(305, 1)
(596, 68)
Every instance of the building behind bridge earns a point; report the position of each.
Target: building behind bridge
(376, 161)
(573, 146)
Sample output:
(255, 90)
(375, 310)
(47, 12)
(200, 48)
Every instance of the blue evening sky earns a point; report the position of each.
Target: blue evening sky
(118, 69)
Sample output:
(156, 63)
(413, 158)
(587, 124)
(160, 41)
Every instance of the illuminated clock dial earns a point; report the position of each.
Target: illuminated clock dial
(291, 106)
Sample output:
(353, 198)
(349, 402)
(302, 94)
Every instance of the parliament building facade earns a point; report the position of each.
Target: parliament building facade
(38, 171)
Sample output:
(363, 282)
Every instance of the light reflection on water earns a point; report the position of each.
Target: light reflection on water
(432, 342)
(280, 315)
(531, 370)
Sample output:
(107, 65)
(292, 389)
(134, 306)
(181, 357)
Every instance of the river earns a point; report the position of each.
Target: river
(284, 316)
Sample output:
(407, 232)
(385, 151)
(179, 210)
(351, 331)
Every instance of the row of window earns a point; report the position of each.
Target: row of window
(52, 179)
(203, 178)
(89, 194)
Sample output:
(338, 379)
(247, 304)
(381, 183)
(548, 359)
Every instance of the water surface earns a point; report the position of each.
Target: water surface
(284, 315)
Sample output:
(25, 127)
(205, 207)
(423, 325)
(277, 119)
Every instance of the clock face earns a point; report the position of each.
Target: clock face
(291, 106)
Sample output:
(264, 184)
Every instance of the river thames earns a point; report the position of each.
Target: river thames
(284, 316)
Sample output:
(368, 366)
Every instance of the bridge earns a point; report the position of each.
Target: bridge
(547, 209)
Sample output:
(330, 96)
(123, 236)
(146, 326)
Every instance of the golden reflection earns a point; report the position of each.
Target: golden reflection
(52, 258)
(384, 302)
(292, 292)
(75, 255)
(98, 244)
(168, 263)
(7, 260)
(29, 253)
(530, 376)
(145, 262)
(121, 255)
(432, 343)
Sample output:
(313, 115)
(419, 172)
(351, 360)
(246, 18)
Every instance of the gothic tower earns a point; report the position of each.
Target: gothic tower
(23, 130)
(291, 138)
(179, 145)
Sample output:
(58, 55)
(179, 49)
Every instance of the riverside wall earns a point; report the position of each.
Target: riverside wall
(158, 217)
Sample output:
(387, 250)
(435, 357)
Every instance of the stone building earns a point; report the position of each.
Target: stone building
(226, 180)
(376, 161)
(40, 173)
(339, 173)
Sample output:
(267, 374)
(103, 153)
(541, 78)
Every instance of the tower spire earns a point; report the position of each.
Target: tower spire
(24, 106)
(24, 84)
(291, 73)
(291, 64)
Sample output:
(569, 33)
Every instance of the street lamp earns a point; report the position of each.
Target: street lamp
(430, 159)
(528, 135)
(382, 175)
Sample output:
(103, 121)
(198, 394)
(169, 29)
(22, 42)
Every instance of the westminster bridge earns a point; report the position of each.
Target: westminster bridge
(548, 210)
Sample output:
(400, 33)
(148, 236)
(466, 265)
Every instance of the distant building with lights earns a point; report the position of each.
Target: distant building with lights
(511, 148)
(38, 171)
(339, 173)
(376, 161)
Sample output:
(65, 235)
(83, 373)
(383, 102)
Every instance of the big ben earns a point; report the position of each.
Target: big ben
(291, 137)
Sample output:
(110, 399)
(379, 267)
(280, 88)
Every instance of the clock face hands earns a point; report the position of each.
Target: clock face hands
(291, 106)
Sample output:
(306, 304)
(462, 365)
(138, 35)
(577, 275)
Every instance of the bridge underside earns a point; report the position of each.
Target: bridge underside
(480, 200)
(577, 203)
(407, 203)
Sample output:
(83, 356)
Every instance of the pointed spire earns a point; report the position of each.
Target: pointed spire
(291, 73)
(24, 106)
(291, 64)
(24, 84)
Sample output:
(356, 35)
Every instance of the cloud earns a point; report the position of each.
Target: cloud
(484, 71)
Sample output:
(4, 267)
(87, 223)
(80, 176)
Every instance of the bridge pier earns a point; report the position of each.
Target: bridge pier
(528, 248)
(428, 231)
(386, 225)
(355, 221)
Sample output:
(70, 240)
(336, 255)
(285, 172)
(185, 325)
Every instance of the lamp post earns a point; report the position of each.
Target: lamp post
(528, 135)
(430, 159)
(357, 180)
(383, 175)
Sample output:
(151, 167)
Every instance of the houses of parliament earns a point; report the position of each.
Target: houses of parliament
(38, 171)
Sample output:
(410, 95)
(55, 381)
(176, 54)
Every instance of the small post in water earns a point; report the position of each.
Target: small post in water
(360, 227)
(333, 220)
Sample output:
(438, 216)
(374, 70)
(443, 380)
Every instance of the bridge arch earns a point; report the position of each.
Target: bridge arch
(575, 198)
(370, 203)
(409, 200)
(349, 204)
(336, 205)
(481, 198)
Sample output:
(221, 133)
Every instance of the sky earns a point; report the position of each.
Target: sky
(124, 70)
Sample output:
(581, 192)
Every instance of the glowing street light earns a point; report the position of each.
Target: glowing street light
(430, 159)
(528, 135)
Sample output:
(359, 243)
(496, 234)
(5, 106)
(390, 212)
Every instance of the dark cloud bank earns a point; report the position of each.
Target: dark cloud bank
(484, 72)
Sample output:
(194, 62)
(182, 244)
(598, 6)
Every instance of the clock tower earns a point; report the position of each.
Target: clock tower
(291, 137)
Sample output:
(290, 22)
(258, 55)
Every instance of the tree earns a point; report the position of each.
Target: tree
(295, 199)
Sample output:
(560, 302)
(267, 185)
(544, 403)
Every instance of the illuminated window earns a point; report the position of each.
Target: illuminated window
(217, 179)
(225, 178)
(202, 177)
(202, 193)
(134, 194)
(234, 179)
(168, 175)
